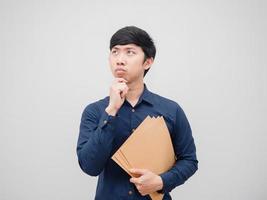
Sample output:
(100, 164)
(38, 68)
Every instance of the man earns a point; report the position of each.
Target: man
(107, 123)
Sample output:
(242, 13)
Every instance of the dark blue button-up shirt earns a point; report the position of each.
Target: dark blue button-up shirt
(101, 135)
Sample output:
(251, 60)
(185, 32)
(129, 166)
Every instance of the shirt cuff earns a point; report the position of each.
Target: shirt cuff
(107, 124)
(167, 179)
(106, 119)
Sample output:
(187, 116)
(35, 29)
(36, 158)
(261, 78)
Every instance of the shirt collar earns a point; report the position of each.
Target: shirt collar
(146, 96)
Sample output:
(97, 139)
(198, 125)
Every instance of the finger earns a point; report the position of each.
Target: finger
(121, 84)
(120, 80)
(141, 190)
(136, 181)
(124, 92)
(138, 171)
(120, 87)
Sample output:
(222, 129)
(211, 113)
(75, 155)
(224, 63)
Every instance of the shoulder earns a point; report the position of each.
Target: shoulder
(165, 103)
(96, 107)
(171, 110)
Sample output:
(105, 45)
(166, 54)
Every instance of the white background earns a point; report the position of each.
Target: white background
(211, 59)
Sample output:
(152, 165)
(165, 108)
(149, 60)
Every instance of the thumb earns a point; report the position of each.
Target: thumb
(138, 171)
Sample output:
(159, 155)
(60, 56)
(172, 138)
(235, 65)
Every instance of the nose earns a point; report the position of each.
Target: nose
(120, 60)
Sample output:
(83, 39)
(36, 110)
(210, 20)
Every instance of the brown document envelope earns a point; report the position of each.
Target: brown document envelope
(149, 147)
(119, 156)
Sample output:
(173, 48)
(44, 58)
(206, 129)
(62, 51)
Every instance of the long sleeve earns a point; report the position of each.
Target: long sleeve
(95, 139)
(186, 164)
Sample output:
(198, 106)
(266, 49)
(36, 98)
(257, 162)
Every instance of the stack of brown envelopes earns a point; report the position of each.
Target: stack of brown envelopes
(149, 147)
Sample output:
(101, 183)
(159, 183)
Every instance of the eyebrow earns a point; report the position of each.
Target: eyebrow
(127, 48)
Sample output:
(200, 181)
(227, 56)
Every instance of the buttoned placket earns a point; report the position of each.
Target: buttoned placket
(132, 118)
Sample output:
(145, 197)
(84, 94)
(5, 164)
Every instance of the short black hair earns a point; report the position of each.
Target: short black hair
(137, 36)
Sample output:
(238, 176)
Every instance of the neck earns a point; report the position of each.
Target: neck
(134, 92)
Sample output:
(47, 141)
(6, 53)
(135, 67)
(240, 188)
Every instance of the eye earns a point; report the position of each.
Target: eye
(114, 52)
(130, 52)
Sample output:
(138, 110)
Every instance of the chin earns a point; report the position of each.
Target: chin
(121, 76)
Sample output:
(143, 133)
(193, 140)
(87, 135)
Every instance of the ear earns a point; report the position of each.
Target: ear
(148, 63)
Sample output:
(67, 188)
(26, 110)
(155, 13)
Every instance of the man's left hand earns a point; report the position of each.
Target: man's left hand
(147, 182)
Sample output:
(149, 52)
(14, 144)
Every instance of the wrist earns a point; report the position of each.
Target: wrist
(160, 184)
(111, 111)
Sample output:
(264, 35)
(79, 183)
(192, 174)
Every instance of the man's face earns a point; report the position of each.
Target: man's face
(127, 61)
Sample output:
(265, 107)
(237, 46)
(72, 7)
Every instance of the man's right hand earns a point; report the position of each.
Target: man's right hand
(117, 95)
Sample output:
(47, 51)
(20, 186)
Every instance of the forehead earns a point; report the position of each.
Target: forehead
(127, 46)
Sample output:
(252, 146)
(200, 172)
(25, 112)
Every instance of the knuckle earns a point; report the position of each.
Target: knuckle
(143, 194)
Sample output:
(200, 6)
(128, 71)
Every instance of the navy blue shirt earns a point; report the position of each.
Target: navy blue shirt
(102, 134)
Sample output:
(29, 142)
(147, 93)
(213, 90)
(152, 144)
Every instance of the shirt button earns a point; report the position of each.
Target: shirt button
(105, 121)
(130, 192)
(133, 110)
(133, 130)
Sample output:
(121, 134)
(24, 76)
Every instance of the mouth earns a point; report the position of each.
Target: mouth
(120, 71)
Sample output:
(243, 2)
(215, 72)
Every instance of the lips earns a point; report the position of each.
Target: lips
(120, 70)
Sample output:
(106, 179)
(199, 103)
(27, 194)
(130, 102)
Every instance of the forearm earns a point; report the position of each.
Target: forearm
(95, 145)
(178, 174)
(185, 150)
(94, 154)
